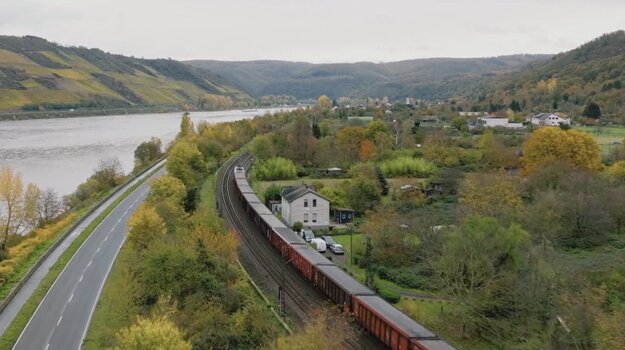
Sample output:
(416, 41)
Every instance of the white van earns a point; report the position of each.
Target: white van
(319, 244)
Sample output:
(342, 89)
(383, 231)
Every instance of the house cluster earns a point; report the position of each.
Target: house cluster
(539, 119)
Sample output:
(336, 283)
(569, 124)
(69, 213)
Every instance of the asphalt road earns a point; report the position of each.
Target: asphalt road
(63, 316)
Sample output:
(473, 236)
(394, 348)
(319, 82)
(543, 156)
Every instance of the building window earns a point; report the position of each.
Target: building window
(305, 203)
(314, 203)
(305, 217)
(314, 217)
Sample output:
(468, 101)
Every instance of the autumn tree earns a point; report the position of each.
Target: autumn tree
(324, 102)
(367, 150)
(548, 145)
(186, 126)
(616, 172)
(109, 172)
(156, 333)
(168, 197)
(144, 228)
(262, 147)
(186, 162)
(394, 244)
(18, 206)
(348, 142)
(300, 141)
(490, 194)
(495, 154)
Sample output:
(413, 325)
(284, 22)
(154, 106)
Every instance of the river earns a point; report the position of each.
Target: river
(62, 153)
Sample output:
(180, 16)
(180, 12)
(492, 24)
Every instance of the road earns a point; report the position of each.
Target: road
(63, 316)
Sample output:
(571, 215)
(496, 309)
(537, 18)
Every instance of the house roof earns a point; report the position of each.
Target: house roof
(543, 116)
(290, 194)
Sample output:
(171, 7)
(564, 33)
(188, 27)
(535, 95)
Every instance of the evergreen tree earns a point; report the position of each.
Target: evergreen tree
(515, 106)
(592, 110)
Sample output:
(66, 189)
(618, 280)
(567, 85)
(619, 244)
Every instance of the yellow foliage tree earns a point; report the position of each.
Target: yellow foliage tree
(324, 102)
(490, 194)
(18, 207)
(167, 188)
(574, 148)
(144, 227)
(157, 333)
(616, 172)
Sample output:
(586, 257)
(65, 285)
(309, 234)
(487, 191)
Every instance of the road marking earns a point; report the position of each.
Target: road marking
(59, 322)
(105, 238)
(80, 280)
(47, 346)
(70, 298)
(89, 264)
(97, 250)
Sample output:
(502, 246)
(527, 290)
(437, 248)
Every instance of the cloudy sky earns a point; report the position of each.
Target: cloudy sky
(315, 30)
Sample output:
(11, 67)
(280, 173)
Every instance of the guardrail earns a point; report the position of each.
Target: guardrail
(74, 226)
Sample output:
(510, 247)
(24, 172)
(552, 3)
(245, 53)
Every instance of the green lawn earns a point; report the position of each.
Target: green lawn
(605, 136)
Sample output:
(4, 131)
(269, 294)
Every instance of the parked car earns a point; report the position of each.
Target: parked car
(319, 244)
(329, 240)
(307, 235)
(337, 249)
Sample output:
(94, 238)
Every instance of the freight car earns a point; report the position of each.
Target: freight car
(383, 320)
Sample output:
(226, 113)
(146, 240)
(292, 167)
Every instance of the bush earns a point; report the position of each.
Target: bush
(275, 169)
(408, 277)
(389, 295)
(407, 166)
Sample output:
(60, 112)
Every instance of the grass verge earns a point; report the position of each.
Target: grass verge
(21, 319)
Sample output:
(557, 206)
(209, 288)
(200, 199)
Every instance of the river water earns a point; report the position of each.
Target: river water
(62, 153)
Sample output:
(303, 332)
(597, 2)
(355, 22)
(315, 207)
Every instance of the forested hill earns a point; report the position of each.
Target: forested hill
(594, 72)
(38, 74)
(420, 78)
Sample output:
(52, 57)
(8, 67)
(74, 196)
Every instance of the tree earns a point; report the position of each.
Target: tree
(324, 102)
(362, 194)
(49, 206)
(262, 147)
(147, 152)
(326, 330)
(490, 194)
(495, 154)
(186, 126)
(616, 172)
(592, 110)
(574, 148)
(186, 162)
(156, 333)
(300, 141)
(515, 106)
(316, 130)
(479, 253)
(367, 150)
(460, 123)
(272, 193)
(144, 228)
(18, 207)
(297, 226)
(348, 142)
(109, 172)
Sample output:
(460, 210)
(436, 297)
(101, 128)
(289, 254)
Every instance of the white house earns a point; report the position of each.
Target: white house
(490, 121)
(549, 119)
(305, 205)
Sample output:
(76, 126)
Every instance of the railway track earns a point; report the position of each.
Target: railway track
(301, 297)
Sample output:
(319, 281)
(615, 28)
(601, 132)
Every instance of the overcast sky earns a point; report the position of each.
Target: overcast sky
(315, 30)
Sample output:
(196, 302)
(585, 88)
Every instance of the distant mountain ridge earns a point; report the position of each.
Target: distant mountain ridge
(433, 78)
(593, 72)
(36, 73)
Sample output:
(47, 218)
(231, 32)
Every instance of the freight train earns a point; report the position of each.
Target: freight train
(380, 318)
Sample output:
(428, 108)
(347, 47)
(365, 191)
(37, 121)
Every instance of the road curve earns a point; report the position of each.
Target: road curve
(62, 318)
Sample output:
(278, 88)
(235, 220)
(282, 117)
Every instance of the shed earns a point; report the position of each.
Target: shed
(342, 215)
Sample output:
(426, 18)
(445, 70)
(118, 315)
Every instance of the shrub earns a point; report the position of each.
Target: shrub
(277, 168)
(392, 296)
(407, 166)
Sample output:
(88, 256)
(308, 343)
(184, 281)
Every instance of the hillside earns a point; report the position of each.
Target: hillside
(594, 72)
(421, 78)
(37, 74)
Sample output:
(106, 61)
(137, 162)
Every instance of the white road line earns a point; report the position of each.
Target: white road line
(105, 238)
(47, 346)
(97, 250)
(59, 322)
(80, 280)
(70, 298)
(90, 262)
